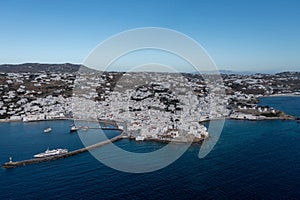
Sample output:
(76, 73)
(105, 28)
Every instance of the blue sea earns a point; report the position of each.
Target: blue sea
(252, 160)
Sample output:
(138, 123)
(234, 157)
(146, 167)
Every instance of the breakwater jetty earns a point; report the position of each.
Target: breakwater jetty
(107, 128)
(12, 164)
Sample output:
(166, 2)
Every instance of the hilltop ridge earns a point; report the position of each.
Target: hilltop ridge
(70, 68)
(39, 67)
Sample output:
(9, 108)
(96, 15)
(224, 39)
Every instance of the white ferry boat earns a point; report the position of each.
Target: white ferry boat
(48, 130)
(53, 152)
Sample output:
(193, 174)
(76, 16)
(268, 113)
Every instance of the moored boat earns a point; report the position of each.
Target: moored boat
(74, 128)
(53, 152)
(139, 138)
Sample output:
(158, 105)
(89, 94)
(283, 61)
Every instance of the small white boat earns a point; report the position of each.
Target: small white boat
(48, 130)
(139, 138)
(74, 128)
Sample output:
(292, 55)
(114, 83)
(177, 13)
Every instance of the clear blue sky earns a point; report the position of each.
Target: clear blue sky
(244, 35)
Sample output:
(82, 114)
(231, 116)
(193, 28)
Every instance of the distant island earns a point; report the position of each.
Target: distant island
(32, 92)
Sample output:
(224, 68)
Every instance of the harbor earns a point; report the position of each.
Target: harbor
(105, 125)
(13, 164)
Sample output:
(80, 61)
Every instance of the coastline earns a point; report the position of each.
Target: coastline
(42, 120)
(56, 119)
(292, 118)
(282, 95)
(191, 141)
(289, 117)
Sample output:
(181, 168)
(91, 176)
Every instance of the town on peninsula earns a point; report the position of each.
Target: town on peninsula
(146, 105)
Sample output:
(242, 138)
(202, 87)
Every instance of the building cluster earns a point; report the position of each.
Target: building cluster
(145, 104)
(35, 96)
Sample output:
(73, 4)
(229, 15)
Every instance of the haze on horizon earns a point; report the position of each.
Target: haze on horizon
(260, 36)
